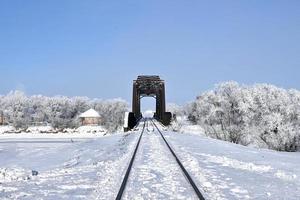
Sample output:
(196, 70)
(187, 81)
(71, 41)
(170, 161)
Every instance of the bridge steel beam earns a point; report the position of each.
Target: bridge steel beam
(150, 86)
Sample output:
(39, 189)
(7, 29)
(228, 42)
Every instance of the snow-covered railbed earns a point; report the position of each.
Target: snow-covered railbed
(63, 168)
(228, 171)
(155, 173)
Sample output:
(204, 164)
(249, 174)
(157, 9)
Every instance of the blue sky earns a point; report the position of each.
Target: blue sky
(96, 48)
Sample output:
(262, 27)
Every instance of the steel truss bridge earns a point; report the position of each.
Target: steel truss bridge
(149, 86)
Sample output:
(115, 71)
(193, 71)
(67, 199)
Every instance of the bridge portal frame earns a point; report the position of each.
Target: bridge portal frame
(150, 86)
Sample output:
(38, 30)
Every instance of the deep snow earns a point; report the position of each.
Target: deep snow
(93, 168)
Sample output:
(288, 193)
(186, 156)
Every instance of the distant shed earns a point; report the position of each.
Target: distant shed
(90, 117)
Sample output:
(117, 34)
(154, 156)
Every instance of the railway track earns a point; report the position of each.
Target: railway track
(185, 172)
(187, 175)
(125, 179)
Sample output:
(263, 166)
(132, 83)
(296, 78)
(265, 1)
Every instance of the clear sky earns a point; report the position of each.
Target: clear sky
(96, 48)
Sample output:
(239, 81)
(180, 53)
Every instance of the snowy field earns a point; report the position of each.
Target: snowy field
(93, 167)
(229, 171)
(68, 167)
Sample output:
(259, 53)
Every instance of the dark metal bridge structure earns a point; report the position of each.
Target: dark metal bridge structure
(149, 86)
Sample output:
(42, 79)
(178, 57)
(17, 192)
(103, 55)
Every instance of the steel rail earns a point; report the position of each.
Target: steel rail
(194, 186)
(125, 179)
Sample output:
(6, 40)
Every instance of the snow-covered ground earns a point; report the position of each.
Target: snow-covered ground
(229, 171)
(93, 167)
(68, 166)
(82, 130)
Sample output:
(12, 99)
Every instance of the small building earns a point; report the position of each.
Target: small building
(90, 117)
(1, 118)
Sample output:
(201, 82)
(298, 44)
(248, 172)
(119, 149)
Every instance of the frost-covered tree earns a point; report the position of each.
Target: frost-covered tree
(16, 107)
(22, 111)
(178, 115)
(176, 109)
(262, 115)
(112, 112)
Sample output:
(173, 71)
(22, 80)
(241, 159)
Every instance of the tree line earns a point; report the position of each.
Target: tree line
(259, 115)
(22, 111)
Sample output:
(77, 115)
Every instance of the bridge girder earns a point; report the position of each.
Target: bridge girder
(150, 86)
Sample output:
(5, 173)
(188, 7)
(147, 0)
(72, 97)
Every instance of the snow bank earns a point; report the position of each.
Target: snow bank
(7, 129)
(285, 176)
(13, 174)
(183, 125)
(233, 163)
(49, 136)
(40, 129)
(192, 129)
(91, 129)
(8, 132)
